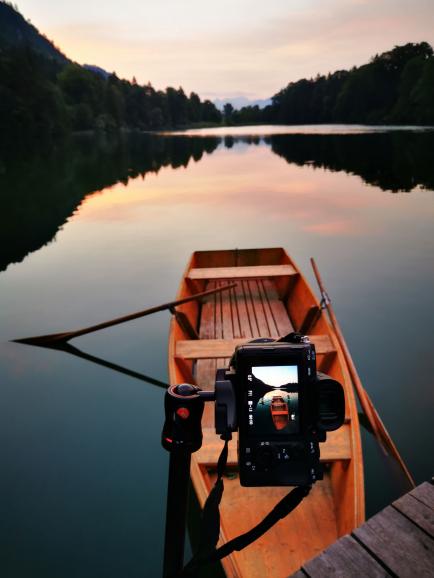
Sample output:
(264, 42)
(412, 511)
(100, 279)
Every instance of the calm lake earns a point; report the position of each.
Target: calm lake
(104, 227)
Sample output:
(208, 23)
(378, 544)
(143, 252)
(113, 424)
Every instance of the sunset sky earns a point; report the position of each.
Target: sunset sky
(229, 48)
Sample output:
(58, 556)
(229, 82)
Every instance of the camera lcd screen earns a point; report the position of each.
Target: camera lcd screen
(272, 400)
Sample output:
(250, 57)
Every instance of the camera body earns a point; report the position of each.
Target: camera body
(284, 408)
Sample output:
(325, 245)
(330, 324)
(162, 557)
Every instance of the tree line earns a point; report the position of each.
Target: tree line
(396, 87)
(42, 100)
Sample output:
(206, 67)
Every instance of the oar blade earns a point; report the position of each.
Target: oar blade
(50, 340)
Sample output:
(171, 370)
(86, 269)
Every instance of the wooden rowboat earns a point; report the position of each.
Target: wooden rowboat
(271, 298)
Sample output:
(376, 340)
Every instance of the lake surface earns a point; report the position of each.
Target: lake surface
(102, 228)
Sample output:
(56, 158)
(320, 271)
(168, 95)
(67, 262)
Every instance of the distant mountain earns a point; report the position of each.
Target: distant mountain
(97, 70)
(17, 32)
(240, 101)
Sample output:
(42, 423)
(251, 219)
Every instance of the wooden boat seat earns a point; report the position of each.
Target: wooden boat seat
(251, 309)
(241, 272)
(337, 447)
(224, 348)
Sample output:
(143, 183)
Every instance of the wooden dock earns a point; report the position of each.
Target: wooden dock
(398, 541)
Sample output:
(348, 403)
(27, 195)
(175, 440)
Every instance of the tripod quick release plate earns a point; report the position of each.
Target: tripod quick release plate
(225, 405)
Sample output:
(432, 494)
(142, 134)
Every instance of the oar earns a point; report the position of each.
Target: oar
(59, 338)
(371, 413)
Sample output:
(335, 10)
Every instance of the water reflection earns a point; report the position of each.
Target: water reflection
(393, 161)
(83, 466)
(40, 195)
(68, 348)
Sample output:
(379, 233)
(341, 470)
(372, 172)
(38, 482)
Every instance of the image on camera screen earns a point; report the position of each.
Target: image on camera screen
(272, 399)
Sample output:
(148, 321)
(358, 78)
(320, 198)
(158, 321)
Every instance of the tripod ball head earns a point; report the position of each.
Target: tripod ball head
(182, 429)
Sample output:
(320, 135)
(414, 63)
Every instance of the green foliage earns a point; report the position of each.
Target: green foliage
(68, 97)
(32, 107)
(16, 32)
(395, 87)
(210, 113)
(44, 96)
(228, 111)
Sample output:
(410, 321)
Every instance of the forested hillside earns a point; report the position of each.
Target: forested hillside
(44, 96)
(16, 31)
(396, 87)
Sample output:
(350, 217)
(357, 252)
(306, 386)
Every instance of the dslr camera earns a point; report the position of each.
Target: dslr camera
(282, 408)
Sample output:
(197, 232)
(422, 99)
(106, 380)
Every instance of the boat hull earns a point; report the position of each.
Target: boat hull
(271, 299)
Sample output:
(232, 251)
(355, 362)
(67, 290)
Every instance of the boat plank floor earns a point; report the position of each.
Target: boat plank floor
(252, 309)
(304, 533)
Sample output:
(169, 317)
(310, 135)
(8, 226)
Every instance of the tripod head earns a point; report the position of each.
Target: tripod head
(184, 404)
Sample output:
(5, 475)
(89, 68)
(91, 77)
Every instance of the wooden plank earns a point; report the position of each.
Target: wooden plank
(235, 313)
(207, 317)
(337, 446)
(418, 512)
(425, 494)
(278, 309)
(219, 323)
(344, 559)
(212, 446)
(241, 272)
(306, 532)
(250, 310)
(323, 344)
(258, 308)
(243, 314)
(228, 324)
(271, 322)
(401, 545)
(220, 348)
(205, 368)
(397, 541)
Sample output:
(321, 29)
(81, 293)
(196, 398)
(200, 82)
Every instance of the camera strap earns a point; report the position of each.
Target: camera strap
(210, 524)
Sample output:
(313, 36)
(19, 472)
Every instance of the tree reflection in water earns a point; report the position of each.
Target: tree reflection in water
(38, 195)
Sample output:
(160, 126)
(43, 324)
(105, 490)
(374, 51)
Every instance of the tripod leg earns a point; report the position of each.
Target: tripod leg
(176, 512)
